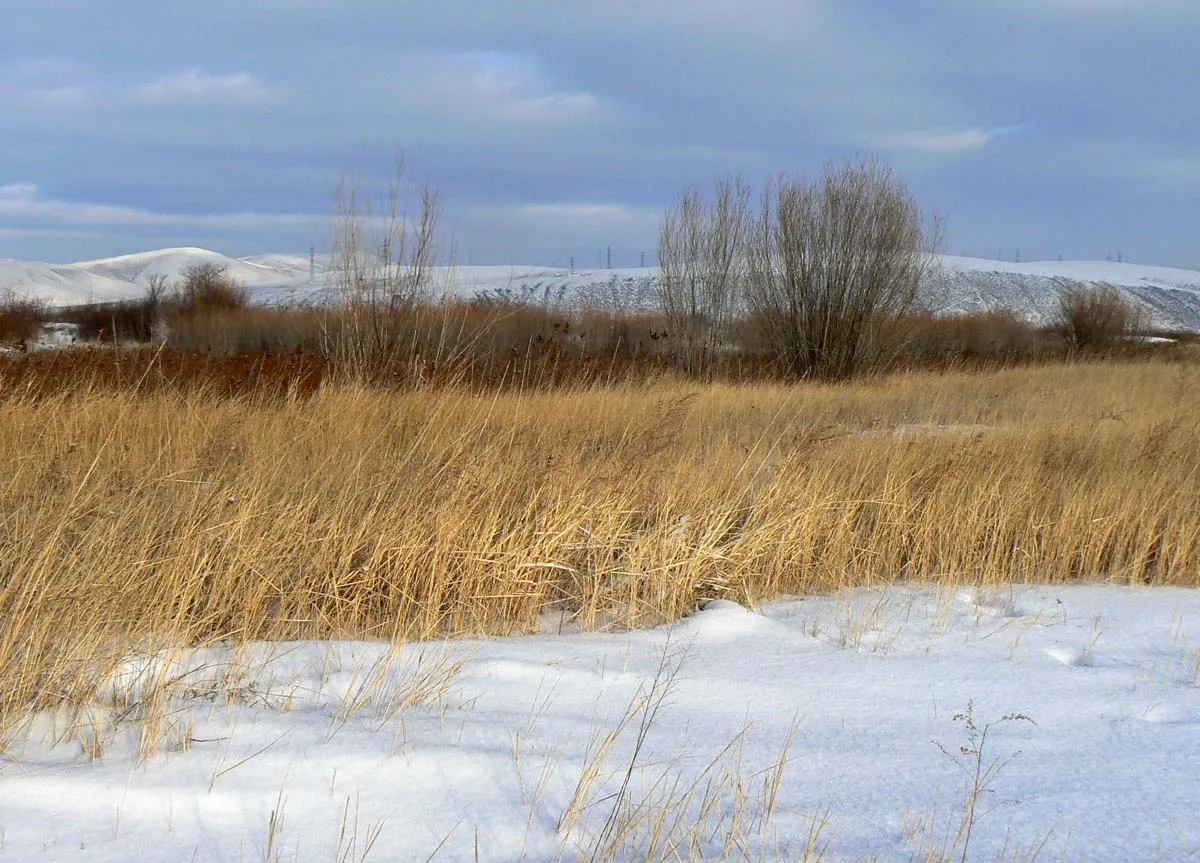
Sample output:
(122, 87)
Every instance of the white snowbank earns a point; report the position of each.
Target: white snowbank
(514, 748)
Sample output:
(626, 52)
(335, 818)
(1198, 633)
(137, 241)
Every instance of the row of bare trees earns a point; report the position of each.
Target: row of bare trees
(821, 266)
(819, 269)
(824, 270)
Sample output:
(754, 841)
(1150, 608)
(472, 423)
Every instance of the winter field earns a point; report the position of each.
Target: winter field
(443, 624)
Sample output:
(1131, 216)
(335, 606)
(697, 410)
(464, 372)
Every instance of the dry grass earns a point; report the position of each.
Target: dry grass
(996, 335)
(650, 810)
(170, 517)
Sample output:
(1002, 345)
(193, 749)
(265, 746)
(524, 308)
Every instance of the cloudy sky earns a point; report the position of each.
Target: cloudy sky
(553, 129)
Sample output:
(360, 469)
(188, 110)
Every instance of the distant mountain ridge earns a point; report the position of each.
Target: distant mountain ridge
(1170, 296)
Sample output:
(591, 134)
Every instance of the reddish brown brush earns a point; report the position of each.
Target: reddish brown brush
(98, 370)
(541, 366)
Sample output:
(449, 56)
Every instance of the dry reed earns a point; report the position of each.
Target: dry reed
(168, 517)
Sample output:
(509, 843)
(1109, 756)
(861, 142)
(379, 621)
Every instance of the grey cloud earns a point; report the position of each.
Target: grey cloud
(1006, 114)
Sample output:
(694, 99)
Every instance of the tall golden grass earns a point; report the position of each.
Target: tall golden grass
(132, 518)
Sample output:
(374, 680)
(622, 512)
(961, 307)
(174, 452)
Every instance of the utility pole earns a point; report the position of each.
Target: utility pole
(643, 260)
(610, 257)
(572, 265)
(312, 264)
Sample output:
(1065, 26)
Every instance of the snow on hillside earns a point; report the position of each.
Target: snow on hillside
(60, 284)
(172, 262)
(1171, 297)
(268, 277)
(837, 724)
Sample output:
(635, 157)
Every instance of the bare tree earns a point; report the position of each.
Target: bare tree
(384, 247)
(833, 263)
(383, 253)
(153, 325)
(699, 267)
(1092, 316)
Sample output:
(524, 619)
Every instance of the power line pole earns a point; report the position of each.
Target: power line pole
(312, 264)
(610, 257)
(643, 260)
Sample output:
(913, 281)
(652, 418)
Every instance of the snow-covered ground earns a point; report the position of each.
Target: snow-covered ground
(1170, 296)
(833, 723)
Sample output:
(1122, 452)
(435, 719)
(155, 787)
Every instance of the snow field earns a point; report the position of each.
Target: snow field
(847, 727)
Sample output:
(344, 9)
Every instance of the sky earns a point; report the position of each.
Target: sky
(555, 130)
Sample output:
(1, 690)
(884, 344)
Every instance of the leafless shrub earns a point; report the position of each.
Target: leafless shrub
(832, 262)
(203, 287)
(1092, 316)
(699, 266)
(134, 320)
(205, 303)
(227, 333)
(20, 318)
(122, 321)
(991, 334)
(383, 258)
(157, 289)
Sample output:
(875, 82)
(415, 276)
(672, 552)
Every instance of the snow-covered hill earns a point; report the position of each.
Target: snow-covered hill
(119, 278)
(1170, 296)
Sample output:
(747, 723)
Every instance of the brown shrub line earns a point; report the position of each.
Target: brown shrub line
(266, 351)
(94, 370)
